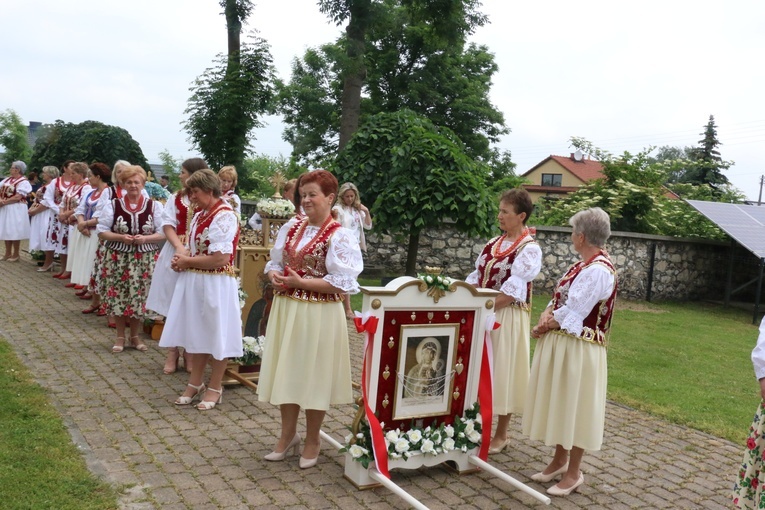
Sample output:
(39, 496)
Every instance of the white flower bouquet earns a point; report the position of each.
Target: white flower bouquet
(253, 350)
(275, 208)
(463, 435)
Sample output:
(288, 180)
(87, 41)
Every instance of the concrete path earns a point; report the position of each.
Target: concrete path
(119, 410)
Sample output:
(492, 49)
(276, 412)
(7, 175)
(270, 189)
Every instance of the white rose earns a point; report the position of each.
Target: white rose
(427, 446)
(436, 438)
(448, 444)
(360, 435)
(464, 449)
(474, 436)
(414, 435)
(402, 445)
(469, 426)
(348, 438)
(449, 431)
(392, 436)
(357, 451)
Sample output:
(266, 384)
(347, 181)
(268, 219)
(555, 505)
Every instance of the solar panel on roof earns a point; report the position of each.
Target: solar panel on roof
(744, 223)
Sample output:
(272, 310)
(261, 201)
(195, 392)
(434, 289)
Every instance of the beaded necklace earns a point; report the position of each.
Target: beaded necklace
(498, 245)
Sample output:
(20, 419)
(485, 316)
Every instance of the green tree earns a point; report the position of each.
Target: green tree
(171, 166)
(446, 21)
(254, 180)
(708, 165)
(87, 141)
(228, 99)
(416, 176)
(13, 137)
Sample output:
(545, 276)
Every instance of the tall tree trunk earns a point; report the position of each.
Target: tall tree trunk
(411, 252)
(355, 74)
(234, 28)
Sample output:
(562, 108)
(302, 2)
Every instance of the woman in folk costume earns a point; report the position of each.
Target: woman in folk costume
(566, 402)
(131, 228)
(176, 219)
(747, 491)
(508, 264)
(59, 234)
(79, 188)
(204, 315)
(228, 179)
(41, 218)
(306, 363)
(14, 217)
(86, 241)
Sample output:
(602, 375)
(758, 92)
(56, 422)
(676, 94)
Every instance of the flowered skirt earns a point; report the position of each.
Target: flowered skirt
(125, 280)
(751, 476)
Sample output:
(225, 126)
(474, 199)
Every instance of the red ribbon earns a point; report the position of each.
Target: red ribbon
(485, 391)
(379, 450)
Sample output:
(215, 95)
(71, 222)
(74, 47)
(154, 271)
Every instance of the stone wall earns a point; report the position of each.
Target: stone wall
(684, 269)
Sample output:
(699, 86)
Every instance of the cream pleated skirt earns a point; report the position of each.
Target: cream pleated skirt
(306, 359)
(566, 401)
(510, 344)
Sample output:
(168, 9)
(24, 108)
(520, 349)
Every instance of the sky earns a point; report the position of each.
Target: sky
(624, 75)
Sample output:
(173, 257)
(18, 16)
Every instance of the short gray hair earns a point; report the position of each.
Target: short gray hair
(20, 165)
(51, 171)
(594, 223)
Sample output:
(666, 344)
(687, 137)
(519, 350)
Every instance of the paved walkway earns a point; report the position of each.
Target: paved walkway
(119, 410)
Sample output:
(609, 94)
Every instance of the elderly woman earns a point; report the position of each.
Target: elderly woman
(79, 188)
(204, 316)
(176, 219)
(14, 219)
(41, 219)
(508, 264)
(566, 403)
(130, 226)
(314, 260)
(353, 215)
(85, 243)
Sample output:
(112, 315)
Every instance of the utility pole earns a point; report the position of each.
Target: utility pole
(762, 181)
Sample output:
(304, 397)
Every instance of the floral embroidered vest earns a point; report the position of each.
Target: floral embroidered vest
(72, 196)
(8, 188)
(140, 222)
(598, 322)
(495, 268)
(39, 194)
(309, 261)
(229, 197)
(199, 235)
(91, 201)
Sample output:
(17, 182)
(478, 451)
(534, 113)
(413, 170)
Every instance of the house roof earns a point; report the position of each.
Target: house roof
(584, 170)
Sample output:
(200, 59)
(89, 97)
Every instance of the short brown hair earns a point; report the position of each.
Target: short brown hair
(520, 200)
(193, 164)
(205, 180)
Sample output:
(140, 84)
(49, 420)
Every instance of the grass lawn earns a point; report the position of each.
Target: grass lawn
(40, 468)
(688, 363)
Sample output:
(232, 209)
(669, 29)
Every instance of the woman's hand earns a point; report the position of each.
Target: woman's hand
(502, 301)
(282, 280)
(182, 250)
(180, 263)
